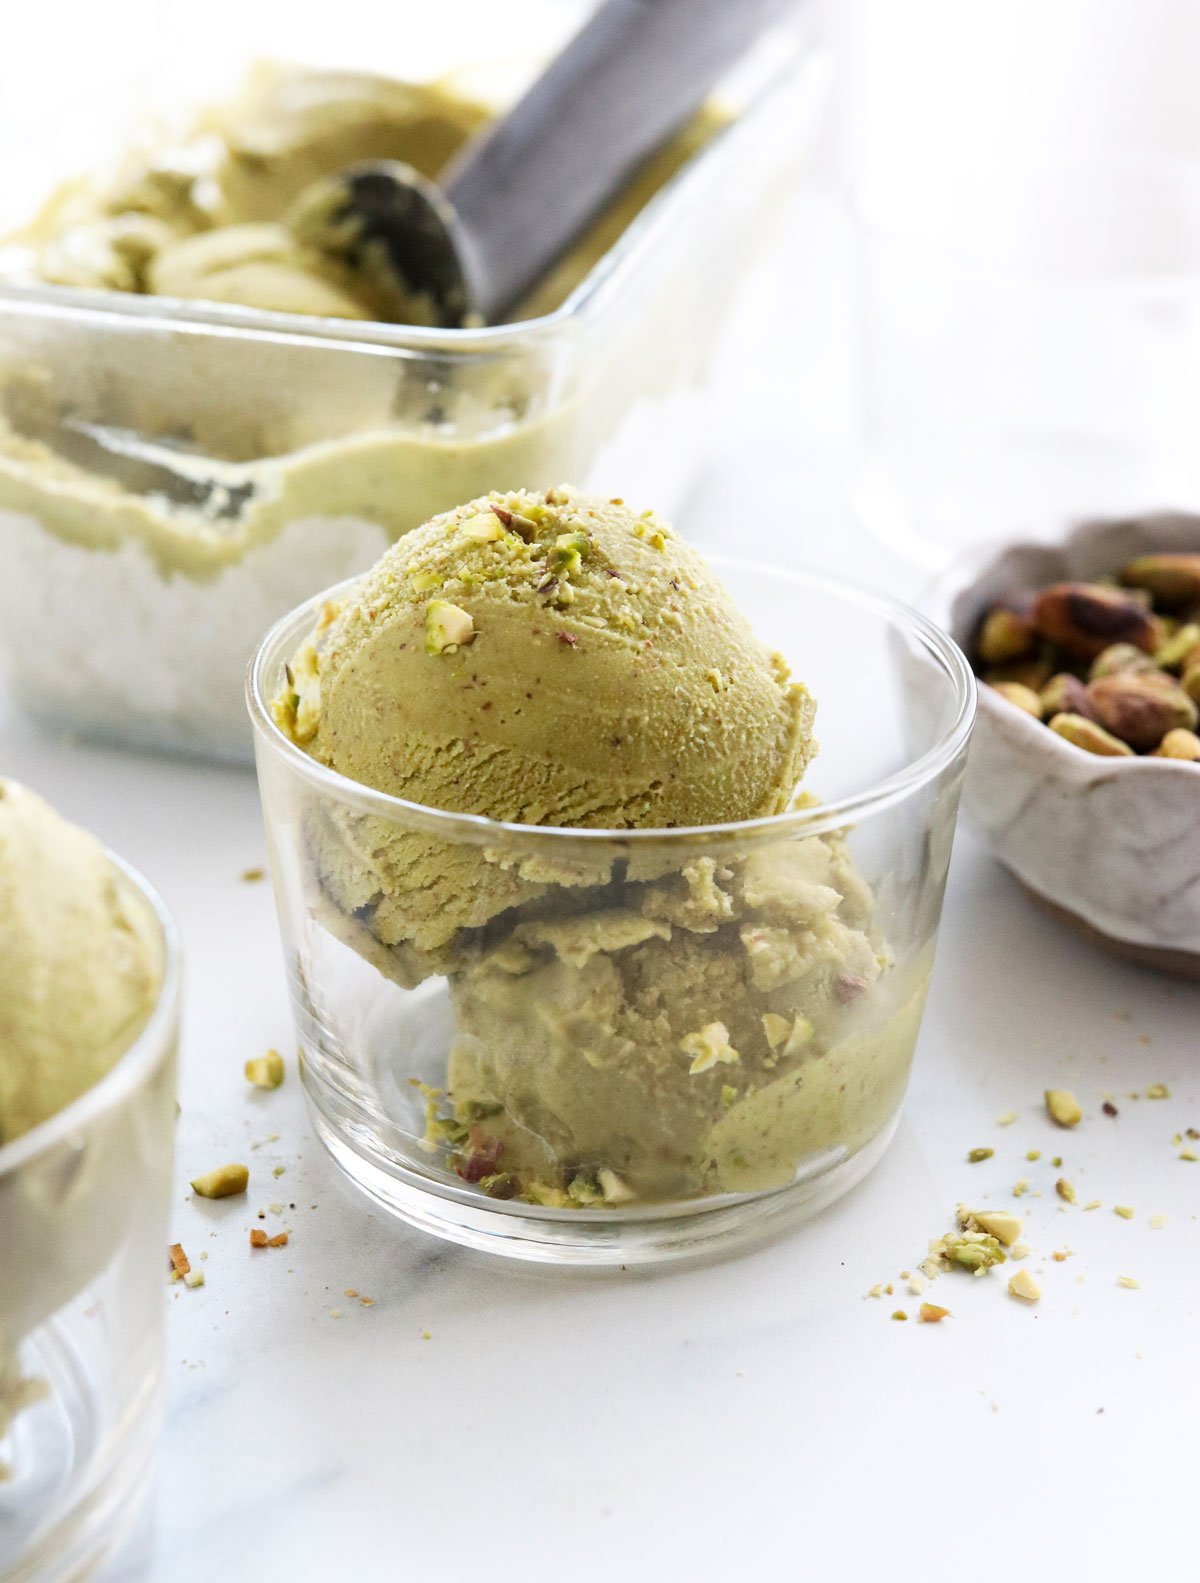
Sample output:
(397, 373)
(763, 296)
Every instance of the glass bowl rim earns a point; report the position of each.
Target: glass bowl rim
(133, 1066)
(816, 820)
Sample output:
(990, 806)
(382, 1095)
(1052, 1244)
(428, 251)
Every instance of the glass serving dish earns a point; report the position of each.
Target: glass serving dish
(83, 1217)
(670, 1040)
(175, 476)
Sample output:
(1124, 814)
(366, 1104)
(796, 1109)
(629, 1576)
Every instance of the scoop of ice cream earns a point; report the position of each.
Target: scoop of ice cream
(80, 961)
(702, 1033)
(545, 659)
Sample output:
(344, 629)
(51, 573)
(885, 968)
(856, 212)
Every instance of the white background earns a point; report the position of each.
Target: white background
(759, 1418)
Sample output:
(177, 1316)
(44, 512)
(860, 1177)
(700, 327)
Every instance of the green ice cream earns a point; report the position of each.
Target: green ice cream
(542, 659)
(80, 962)
(648, 1023)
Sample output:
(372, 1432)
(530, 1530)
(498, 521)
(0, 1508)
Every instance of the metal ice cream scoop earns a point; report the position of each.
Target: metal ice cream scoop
(471, 246)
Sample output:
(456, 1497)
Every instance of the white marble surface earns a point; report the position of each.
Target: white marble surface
(755, 1418)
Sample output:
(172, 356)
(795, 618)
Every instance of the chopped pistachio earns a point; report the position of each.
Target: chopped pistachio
(1063, 1107)
(1019, 1250)
(976, 1251)
(916, 1284)
(484, 528)
(1022, 1285)
(876, 1291)
(1123, 1210)
(1065, 1191)
(224, 1182)
(899, 1314)
(194, 1278)
(1122, 1280)
(424, 582)
(1020, 1187)
(800, 1036)
(931, 1314)
(998, 1223)
(728, 1095)
(776, 1028)
(1033, 1154)
(1157, 1222)
(614, 1188)
(1188, 1154)
(975, 1156)
(708, 1046)
(447, 627)
(1056, 1161)
(1006, 1118)
(1158, 1091)
(566, 556)
(265, 1071)
(1092, 1203)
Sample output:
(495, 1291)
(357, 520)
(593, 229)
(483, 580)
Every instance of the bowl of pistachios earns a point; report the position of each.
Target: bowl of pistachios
(1085, 768)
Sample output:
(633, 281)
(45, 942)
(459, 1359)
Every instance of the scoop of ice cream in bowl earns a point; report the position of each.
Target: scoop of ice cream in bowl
(582, 967)
(89, 984)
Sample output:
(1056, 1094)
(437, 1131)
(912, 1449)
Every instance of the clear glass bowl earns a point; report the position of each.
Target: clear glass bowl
(175, 476)
(668, 1040)
(83, 1260)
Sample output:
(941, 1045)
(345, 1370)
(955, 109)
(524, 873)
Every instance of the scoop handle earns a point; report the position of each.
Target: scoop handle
(635, 72)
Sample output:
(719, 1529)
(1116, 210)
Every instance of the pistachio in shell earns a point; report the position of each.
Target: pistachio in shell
(1066, 694)
(1141, 709)
(1121, 659)
(1089, 736)
(1172, 578)
(1084, 619)
(1023, 697)
(1179, 744)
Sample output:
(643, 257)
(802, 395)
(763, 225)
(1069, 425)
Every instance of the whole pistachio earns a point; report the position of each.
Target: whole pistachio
(1089, 736)
(1066, 694)
(1179, 744)
(1007, 633)
(1173, 579)
(1179, 647)
(1141, 709)
(1085, 619)
(1121, 659)
(1034, 673)
(1024, 697)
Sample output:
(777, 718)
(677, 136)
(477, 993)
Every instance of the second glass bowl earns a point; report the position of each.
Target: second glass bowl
(660, 1042)
(83, 1218)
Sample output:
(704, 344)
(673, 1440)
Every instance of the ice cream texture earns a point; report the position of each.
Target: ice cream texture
(81, 961)
(643, 1023)
(543, 659)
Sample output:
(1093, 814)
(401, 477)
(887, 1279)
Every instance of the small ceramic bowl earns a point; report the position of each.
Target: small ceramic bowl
(1110, 845)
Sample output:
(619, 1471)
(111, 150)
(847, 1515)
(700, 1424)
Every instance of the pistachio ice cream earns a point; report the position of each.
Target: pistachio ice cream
(80, 962)
(630, 1022)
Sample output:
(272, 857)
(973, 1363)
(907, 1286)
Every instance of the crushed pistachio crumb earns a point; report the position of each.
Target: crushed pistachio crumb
(251, 876)
(265, 1071)
(1020, 1187)
(1158, 1091)
(728, 1095)
(1056, 1161)
(180, 1264)
(1065, 1191)
(976, 1251)
(194, 1278)
(976, 1156)
(1188, 1154)
(1157, 1222)
(707, 1047)
(225, 1182)
(258, 1239)
(899, 1314)
(1019, 1250)
(1033, 1154)
(1006, 1118)
(447, 627)
(1092, 1203)
(876, 1290)
(1022, 1286)
(1125, 1212)
(998, 1223)
(931, 1314)
(1128, 1281)
(1063, 1107)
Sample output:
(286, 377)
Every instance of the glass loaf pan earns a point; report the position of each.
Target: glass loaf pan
(175, 476)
